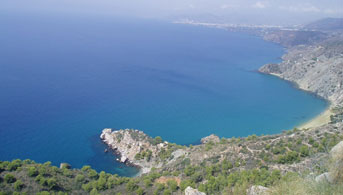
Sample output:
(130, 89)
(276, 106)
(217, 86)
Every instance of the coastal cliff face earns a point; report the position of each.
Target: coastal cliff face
(316, 68)
(136, 148)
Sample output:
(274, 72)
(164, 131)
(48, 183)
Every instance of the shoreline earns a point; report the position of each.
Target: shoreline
(321, 119)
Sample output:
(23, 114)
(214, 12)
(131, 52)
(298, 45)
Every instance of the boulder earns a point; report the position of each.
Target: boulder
(211, 138)
(191, 191)
(257, 190)
(325, 177)
(337, 151)
(65, 166)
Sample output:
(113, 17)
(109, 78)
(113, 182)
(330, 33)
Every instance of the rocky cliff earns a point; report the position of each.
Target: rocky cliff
(136, 148)
(316, 68)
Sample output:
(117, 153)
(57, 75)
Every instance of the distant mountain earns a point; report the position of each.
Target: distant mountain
(326, 24)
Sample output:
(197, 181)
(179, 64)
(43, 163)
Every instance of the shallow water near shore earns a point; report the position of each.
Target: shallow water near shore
(63, 80)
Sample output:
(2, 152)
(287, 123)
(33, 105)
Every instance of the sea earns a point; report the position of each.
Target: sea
(63, 79)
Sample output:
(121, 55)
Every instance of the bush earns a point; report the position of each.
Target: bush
(32, 171)
(79, 178)
(139, 191)
(93, 174)
(94, 192)
(167, 192)
(43, 193)
(131, 186)
(9, 178)
(67, 172)
(87, 187)
(304, 151)
(86, 168)
(172, 185)
(157, 140)
(12, 166)
(18, 185)
(52, 183)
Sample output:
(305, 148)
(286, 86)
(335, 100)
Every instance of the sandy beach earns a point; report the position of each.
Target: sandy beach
(321, 119)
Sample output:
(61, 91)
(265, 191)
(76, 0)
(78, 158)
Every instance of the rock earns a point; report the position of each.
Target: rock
(65, 166)
(257, 190)
(336, 165)
(325, 177)
(337, 151)
(128, 143)
(211, 138)
(316, 68)
(191, 191)
(123, 159)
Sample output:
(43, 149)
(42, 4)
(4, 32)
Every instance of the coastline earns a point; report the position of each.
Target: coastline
(319, 120)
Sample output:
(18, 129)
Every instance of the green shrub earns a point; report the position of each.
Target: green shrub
(32, 171)
(304, 151)
(18, 185)
(43, 193)
(172, 185)
(67, 172)
(139, 191)
(52, 183)
(80, 178)
(157, 140)
(12, 166)
(92, 174)
(131, 186)
(87, 187)
(9, 178)
(86, 168)
(94, 192)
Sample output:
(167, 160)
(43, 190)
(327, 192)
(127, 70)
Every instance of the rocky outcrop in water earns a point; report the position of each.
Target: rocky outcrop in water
(134, 147)
(211, 138)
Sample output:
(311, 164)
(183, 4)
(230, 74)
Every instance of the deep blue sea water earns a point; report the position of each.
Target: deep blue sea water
(64, 79)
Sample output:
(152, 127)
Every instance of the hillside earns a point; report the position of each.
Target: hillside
(317, 68)
(326, 24)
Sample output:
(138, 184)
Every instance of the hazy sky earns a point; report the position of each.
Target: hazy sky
(233, 11)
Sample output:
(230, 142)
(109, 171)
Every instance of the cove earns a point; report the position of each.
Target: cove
(64, 79)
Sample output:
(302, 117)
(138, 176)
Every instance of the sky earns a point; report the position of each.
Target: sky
(275, 12)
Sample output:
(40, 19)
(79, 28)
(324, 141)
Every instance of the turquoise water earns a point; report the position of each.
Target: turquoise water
(64, 79)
